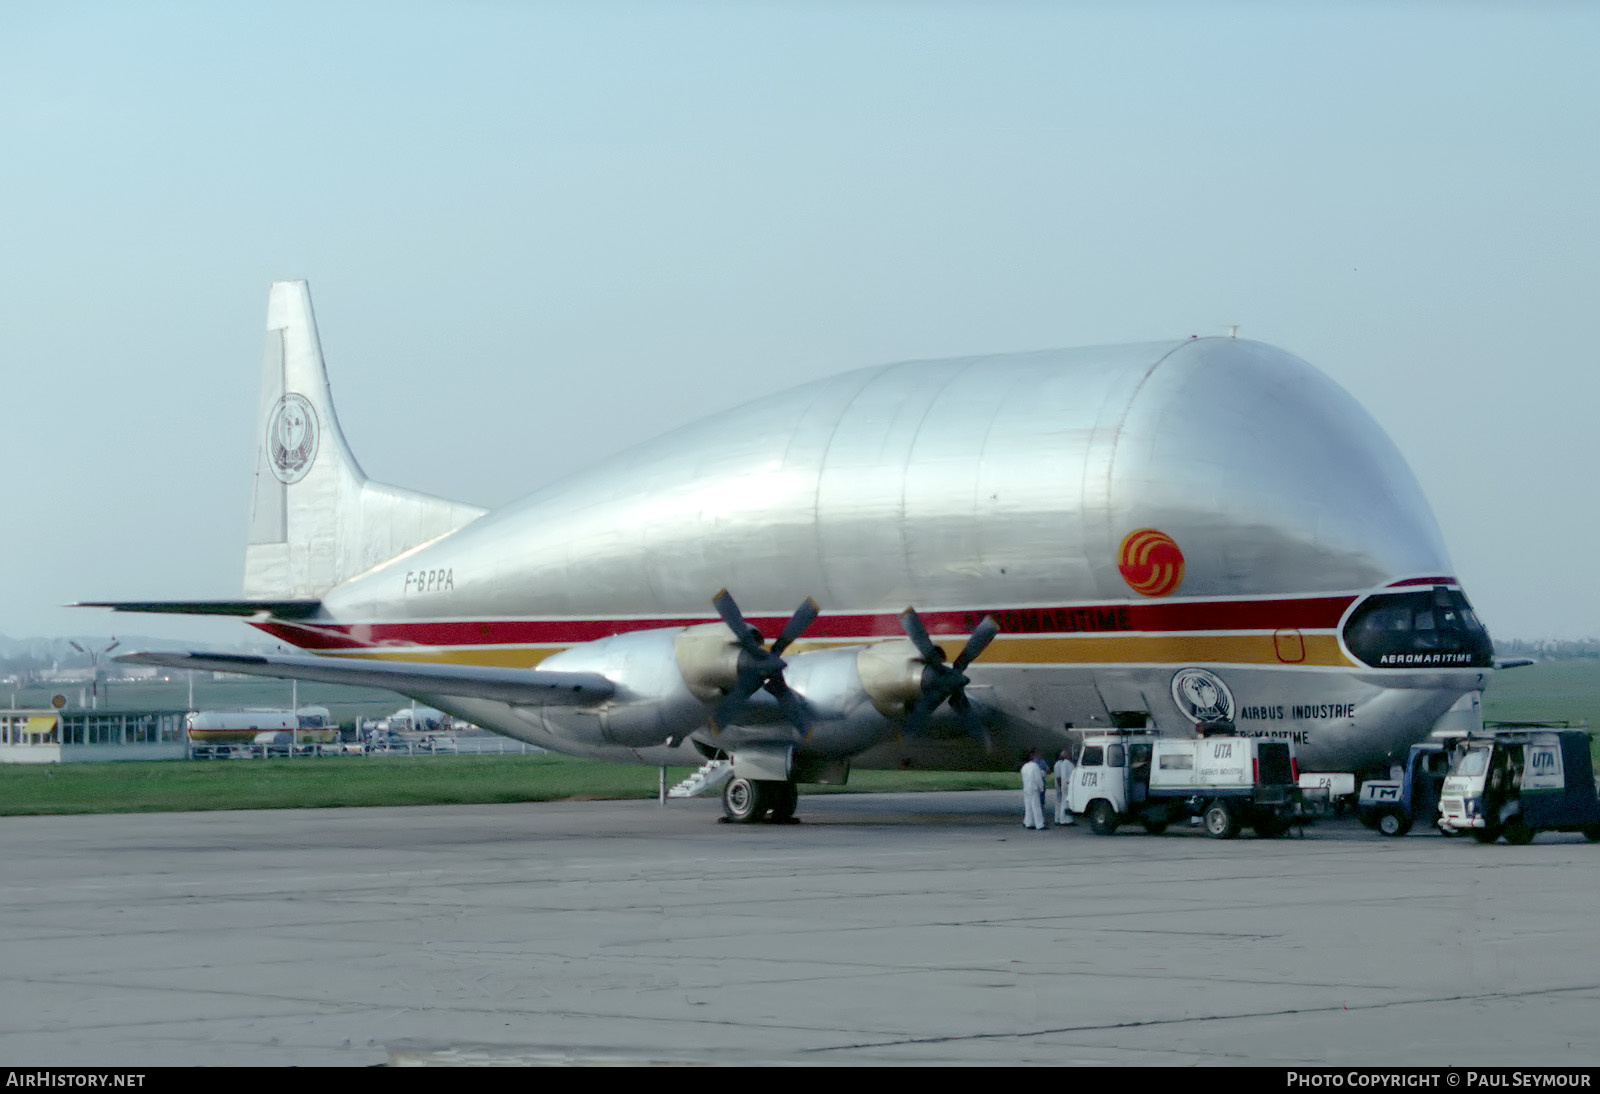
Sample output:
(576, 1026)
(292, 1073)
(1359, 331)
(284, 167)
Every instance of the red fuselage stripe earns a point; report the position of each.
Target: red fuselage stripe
(1302, 613)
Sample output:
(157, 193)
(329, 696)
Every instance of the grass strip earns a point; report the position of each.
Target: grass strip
(306, 783)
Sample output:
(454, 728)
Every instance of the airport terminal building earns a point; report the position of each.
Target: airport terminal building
(46, 735)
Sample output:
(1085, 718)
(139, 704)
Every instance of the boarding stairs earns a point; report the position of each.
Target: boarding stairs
(712, 774)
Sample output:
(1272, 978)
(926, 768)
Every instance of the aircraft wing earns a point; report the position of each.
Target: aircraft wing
(282, 609)
(472, 681)
(1512, 662)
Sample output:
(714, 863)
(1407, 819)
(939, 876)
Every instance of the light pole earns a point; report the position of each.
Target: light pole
(94, 666)
(294, 709)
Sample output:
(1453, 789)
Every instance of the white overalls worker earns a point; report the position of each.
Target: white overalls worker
(1063, 779)
(1033, 793)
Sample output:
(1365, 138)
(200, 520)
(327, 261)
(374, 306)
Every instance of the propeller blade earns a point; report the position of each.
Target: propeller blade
(917, 720)
(793, 707)
(911, 623)
(970, 718)
(724, 712)
(727, 711)
(805, 615)
(982, 635)
(747, 682)
(760, 667)
(749, 639)
(943, 682)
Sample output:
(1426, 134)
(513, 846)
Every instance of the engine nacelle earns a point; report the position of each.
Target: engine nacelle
(840, 718)
(707, 658)
(891, 673)
(666, 678)
(843, 721)
(653, 703)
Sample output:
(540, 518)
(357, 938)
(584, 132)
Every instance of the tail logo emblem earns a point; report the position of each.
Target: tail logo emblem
(1150, 562)
(292, 438)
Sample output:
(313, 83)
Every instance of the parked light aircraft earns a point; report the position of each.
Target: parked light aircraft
(1150, 535)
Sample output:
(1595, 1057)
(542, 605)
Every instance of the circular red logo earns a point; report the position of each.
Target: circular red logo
(1150, 562)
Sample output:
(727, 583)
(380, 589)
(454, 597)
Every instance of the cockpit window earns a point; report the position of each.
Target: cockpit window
(1397, 618)
(1422, 628)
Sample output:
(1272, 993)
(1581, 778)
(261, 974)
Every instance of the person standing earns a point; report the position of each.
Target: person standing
(1063, 780)
(1044, 782)
(1033, 793)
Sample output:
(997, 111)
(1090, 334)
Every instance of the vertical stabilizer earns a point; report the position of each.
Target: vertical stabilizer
(315, 518)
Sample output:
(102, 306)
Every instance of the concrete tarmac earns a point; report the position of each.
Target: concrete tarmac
(885, 929)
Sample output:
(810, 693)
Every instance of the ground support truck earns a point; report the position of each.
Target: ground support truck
(1392, 806)
(1229, 781)
(1519, 779)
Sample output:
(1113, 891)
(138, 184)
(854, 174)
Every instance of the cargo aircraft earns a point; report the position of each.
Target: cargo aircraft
(933, 564)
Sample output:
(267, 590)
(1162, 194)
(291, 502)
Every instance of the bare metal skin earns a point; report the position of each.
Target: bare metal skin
(1164, 533)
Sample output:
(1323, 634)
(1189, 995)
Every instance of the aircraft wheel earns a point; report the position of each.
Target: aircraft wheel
(785, 799)
(1393, 823)
(1220, 821)
(1486, 835)
(1518, 832)
(745, 801)
(1102, 818)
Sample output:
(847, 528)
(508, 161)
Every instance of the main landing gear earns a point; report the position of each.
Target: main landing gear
(749, 801)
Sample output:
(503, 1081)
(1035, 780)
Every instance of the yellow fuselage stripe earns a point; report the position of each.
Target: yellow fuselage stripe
(1320, 650)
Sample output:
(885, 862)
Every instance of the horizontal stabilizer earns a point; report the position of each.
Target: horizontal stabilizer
(281, 609)
(1512, 662)
(468, 681)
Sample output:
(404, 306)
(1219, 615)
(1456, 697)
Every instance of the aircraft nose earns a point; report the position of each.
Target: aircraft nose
(1268, 476)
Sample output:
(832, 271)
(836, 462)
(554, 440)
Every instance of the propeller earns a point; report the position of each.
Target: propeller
(943, 682)
(760, 667)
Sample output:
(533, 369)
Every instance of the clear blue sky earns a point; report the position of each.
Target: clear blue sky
(536, 234)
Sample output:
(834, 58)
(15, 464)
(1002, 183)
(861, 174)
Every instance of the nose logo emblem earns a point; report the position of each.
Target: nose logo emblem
(1150, 562)
(1202, 696)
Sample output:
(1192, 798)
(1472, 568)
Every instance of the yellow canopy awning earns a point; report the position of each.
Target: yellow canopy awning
(41, 725)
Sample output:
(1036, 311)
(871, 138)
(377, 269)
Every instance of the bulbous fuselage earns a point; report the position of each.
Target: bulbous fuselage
(1266, 502)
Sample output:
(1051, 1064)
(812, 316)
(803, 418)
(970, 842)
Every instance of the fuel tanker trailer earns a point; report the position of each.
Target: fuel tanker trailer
(987, 553)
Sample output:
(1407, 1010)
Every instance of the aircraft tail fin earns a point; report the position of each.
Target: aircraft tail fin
(315, 517)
